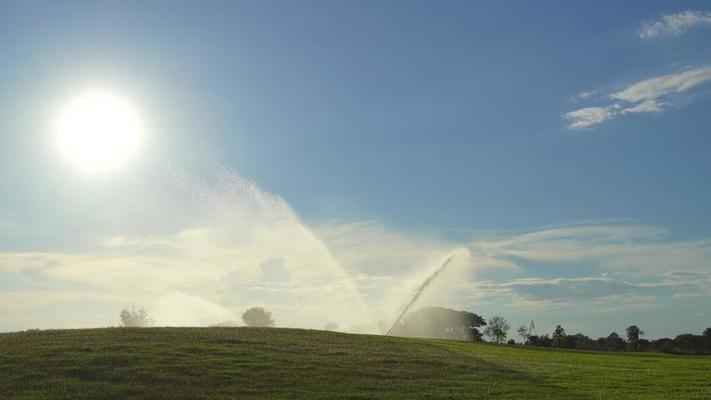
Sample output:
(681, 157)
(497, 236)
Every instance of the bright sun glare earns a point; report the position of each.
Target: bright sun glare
(98, 131)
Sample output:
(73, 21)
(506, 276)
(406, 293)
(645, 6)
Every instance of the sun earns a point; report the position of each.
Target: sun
(98, 131)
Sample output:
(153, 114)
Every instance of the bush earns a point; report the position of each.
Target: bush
(135, 318)
(257, 316)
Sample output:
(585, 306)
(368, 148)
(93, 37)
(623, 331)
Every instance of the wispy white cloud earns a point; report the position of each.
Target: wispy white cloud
(647, 96)
(585, 95)
(651, 95)
(635, 249)
(675, 24)
(589, 288)
(583, 291)
(588, 117)
(647, 106)
(654, 88)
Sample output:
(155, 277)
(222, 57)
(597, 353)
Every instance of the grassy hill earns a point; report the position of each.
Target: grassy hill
(239, 363)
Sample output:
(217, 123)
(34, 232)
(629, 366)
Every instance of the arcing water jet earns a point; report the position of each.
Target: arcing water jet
(419, 291)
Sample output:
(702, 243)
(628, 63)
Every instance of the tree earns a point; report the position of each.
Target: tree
(584, 342)
(689, 344)
(257, 316)
(633, 334)
(496, 329)
(522, 331)
(614, 342)
(135, 317)
(664, 345)
(559, 337)
(643, 345)
(570, 341)
(707, 338)
(331, 326)
(540, 341)
(440, 323)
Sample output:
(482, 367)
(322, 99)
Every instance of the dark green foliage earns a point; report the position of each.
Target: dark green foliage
(440, 323)
(688, 343)
(633, 334)
(257, 316)
(583, 342)
(683, 344)
(497, 329)
(540, 341)
(615, 343)
(664, 345)
(643, 345)
(559, 337)
(522, 331)
(266, 363)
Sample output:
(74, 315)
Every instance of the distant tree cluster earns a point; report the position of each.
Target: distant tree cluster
(445, 323)
(441, 323)
(683, 344)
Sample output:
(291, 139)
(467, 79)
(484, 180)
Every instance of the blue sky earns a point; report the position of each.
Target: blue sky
(412, 126)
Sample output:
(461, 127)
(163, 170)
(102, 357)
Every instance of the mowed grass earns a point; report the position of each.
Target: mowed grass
(243, 363)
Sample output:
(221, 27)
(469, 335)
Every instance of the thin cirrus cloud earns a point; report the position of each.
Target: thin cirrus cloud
(654, 88)
(588, 117)
(675, 24)
(583, 96)
(589, 288)
(651, 95)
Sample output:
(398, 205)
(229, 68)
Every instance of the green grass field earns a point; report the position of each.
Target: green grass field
(239, 363)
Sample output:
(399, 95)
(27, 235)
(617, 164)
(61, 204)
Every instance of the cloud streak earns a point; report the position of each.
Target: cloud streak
(653, 95)
(675, 24)
(588, 117)
(571, 291)
(654, 88)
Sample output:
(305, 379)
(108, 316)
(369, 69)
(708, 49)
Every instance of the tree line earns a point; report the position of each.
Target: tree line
(686, 343)
(445, 323)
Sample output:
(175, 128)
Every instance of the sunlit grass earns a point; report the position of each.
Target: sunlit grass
(217, 363)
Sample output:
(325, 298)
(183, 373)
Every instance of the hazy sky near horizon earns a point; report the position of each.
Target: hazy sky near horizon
(564, 145)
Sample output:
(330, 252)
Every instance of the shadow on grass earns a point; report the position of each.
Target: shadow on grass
(218, 363)
(501, 381)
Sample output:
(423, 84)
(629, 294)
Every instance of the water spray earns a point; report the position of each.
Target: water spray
(419, 291)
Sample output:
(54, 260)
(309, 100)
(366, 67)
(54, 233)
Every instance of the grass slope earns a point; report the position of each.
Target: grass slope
(239, 363)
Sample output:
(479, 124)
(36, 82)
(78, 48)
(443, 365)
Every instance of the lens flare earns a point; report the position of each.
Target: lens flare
(98, 132)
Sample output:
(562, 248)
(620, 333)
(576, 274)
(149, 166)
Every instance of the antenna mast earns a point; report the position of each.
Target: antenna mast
(532, 328)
